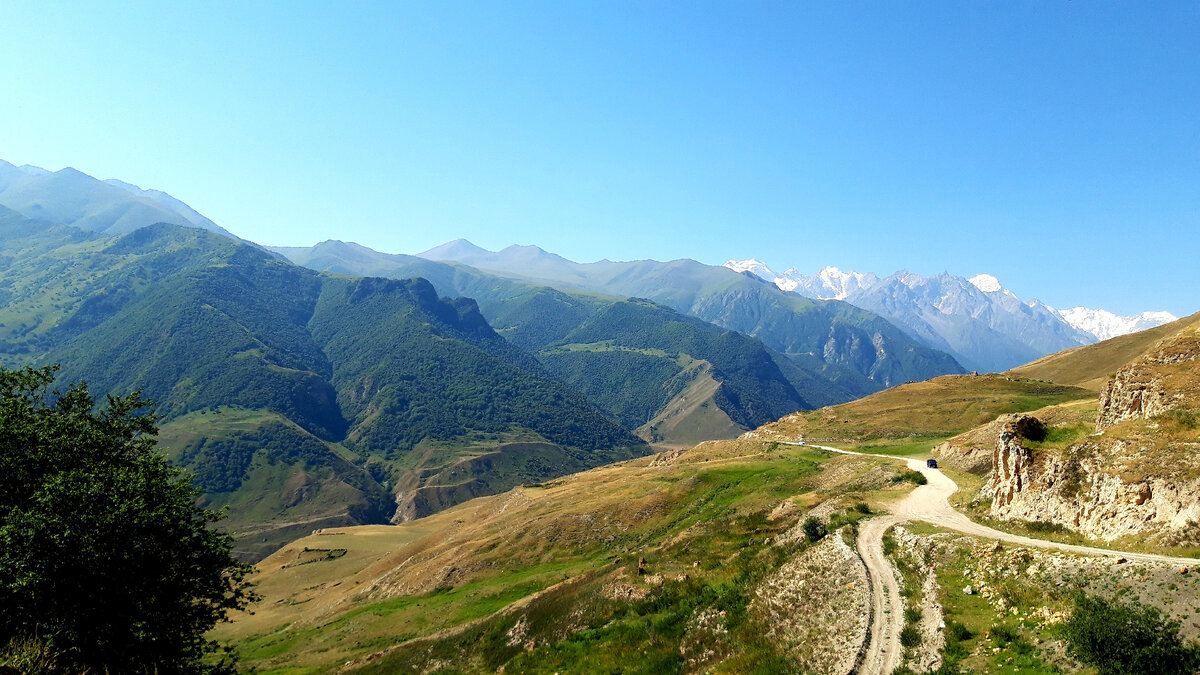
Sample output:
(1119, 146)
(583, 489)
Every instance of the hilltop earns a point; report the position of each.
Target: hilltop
(1090, 367)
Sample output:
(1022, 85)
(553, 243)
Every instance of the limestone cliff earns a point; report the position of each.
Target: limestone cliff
(1138, 475)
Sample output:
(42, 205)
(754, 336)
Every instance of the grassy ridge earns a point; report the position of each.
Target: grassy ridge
(925, 412)
(1091, 366)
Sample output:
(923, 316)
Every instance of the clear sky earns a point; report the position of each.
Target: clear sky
(1054, 145)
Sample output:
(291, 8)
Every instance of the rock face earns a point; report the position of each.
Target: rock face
(975, 451)
(1011, 460)
(976, 459)
(1084, 490)
(1143, 389)
(1139, 475)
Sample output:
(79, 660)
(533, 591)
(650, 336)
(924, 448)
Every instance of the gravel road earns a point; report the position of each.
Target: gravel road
(930, 503)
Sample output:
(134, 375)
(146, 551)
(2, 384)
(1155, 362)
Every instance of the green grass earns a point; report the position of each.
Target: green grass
(918, 448)
(704, 522)
(1061, 436)
(398, 619)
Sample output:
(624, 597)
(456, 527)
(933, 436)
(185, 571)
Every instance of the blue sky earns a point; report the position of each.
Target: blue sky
(1055, 145)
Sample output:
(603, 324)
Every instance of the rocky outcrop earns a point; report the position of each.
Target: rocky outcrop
(1011, 461)
(1084, 489)
(1131, 394)
(972, 458)
(971, 452)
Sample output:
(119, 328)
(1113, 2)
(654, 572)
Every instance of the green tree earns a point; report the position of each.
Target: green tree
(105, 557)
(1130, 638)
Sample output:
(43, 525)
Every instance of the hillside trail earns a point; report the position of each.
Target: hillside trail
(930, 503)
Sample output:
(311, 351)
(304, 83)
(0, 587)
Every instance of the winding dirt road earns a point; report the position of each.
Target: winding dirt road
(930, 503)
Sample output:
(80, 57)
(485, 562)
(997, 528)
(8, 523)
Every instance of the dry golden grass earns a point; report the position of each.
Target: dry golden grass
(322, 607)
(933, 409)
(1091, 366)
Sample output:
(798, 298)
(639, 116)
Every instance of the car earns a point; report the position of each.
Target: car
(931, 463)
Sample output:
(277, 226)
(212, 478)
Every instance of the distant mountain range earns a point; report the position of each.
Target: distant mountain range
(855, 349)
(70, 197)
(333, 384)
(545, 314)
(981, 323)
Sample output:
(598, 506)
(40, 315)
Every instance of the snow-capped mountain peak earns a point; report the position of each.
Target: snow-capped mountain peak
(986, 283)
(753, 265)
(1105, 324)
(842, 284)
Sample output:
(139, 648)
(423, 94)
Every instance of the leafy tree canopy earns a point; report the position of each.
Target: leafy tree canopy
(105, 558)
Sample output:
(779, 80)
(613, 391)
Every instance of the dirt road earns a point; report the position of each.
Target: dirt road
(930, 503)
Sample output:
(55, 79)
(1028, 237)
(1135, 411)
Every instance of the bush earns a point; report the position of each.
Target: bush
(914, 477)
(862, 508)
(910, 637)
(1003, 635)
(1120, 638)
(1046, 527)
(814, 529)
(912, 614)
(957, 632)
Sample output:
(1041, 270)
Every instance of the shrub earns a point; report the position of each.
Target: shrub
(814, 529)
(862, 508)
(912, 614)
(910, 637)
(1003, 634)
(914, 477)
(1119, 638)
(957, 632)
(1046, 527)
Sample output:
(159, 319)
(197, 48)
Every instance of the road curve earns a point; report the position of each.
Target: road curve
(930, 503)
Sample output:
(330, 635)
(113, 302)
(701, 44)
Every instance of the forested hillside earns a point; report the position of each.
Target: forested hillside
(301, 400)
(670, 377)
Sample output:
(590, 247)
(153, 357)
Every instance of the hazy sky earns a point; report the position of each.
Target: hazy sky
(1055, 145)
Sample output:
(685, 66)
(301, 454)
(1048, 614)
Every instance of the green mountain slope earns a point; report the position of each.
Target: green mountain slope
(301, 400)
(839, 352)
(637, 361)
(838, 335)
(752, 389)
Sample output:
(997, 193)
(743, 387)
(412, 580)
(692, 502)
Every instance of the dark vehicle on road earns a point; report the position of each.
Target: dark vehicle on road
(931, 463)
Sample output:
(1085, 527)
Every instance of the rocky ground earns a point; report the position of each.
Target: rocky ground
(1008, 600)
(817, 606)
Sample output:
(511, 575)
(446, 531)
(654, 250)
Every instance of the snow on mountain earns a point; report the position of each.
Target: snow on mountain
(830, 283)
(753, 265)
(978, 321)
(986, 283)
(1105, 324)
